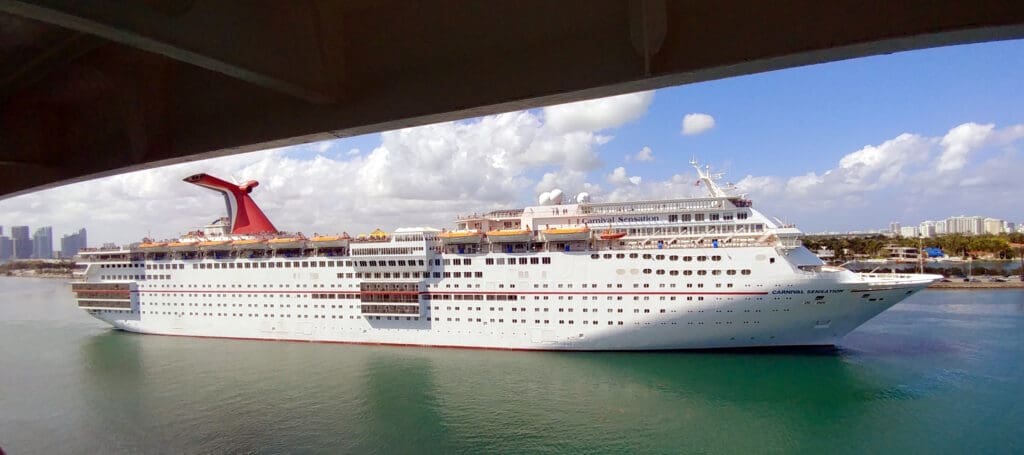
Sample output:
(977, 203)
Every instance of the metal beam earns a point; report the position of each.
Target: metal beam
(187, 80)
(209, 35)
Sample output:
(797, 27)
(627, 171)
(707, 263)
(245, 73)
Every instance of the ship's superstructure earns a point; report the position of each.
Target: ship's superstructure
(689, 273)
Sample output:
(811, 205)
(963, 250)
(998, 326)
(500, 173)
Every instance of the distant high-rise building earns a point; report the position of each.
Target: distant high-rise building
(42, 243)
(926, 229)
(993, 226)
(970, 225)
(894, 227)
(22, 243)
(1009, 227)
(6, 248)
(908, 231)
(71, 243)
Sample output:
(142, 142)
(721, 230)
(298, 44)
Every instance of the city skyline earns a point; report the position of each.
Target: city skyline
(40, 245)
(841, 146)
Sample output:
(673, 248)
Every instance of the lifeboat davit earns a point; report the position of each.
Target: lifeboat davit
(567, 234)
(510, 235)
(612, 235)
(461, 237)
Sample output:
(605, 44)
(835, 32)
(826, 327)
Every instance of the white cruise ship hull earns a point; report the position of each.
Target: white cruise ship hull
(750, 297)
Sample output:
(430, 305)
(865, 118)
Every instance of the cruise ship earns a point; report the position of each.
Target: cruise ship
(566, 274)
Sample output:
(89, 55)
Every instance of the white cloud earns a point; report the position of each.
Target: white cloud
(645, 155)
(959, 142)
(415, 176)
(598, 114)
(697, 123)
(619, 177)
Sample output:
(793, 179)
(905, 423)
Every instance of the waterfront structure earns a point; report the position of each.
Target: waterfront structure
(70, 244)
(21, 242)
(901, 253)
(42, 243)
(706, 272)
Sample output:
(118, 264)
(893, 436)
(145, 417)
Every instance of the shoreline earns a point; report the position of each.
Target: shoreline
(977, 285)
(38, 275)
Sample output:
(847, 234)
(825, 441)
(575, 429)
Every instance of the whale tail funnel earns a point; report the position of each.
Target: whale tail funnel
(246, 217)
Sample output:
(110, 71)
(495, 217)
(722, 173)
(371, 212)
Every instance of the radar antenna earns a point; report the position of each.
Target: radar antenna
(705, 176)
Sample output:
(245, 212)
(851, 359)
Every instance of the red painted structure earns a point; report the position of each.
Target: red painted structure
(246, 217)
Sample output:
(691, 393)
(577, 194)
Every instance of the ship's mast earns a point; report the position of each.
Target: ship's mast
(708, 179)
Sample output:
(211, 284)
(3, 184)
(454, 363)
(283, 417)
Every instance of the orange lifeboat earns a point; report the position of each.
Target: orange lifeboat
(247, 244)
(461, 237)
(215, 244)
(178, 246)
(510, 235)
(567, 234)
(612, 235)
(326, 241)
(282, 243)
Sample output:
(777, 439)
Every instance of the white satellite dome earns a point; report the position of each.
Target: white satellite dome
(556, 196)
(545, 198)
(583, 198)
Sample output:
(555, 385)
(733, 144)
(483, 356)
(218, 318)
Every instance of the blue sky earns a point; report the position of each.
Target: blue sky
(838, 146)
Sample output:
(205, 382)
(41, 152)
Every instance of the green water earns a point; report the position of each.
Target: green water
(941, 372)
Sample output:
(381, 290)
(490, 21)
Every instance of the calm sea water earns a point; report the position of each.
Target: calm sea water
(941, 372)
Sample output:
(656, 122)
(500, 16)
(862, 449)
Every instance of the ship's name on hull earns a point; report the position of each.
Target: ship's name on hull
(624, 219)
(812, 291)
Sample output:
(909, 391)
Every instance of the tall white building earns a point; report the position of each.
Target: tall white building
(970, 225)
(894, 227)
(993, 226)
(908, 231)
(926, 229)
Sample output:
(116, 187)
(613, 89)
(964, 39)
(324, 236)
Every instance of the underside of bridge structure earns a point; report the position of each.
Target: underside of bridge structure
(99, 87)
